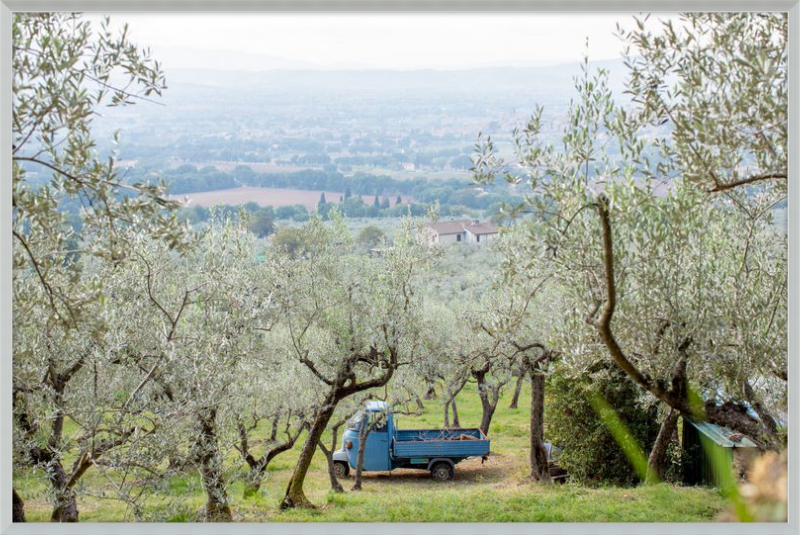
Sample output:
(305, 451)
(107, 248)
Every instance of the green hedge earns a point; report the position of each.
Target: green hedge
(590, 454)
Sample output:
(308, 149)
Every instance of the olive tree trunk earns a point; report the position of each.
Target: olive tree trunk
(658, 454)
(66, 505)
(335, 485)
(450, 406)
(343, 386)
(363, 435)
(295, 497)
(451, 391)
(18, 508)
(517, 390)
(538, 455)
(258, 466)
(65, 508)
(490, 396)
(209, 461)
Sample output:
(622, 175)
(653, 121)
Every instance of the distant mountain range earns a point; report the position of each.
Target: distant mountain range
(492, 79)
(225, 60)
(182, 58)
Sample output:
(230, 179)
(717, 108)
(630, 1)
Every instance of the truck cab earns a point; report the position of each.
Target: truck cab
(387, 448)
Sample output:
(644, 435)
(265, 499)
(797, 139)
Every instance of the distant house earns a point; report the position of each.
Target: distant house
(461, 231)
(480, 232)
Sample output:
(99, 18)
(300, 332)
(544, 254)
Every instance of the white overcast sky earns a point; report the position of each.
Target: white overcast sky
(374, 41)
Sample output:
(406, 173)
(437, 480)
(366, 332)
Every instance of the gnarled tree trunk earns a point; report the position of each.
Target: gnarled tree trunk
(658, 454)
(538, 454)
(490, 396)
(295, 497)
(335, 485)
(517, 390)
(209, 461)
(451, 407)
(451, 391)
(258, 467)
(17, 508)
(363, 435)
(344, 385)
(66, 506)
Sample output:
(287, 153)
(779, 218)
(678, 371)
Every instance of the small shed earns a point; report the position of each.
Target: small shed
(702, 441)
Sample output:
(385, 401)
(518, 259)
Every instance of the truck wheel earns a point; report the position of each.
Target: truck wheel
(341, 469)
(442, 471)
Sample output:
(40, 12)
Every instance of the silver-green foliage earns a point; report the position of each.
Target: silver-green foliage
(64, 71)
(719, 81)
(666, 273)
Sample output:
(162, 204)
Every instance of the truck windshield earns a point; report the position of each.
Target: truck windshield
(355, 421)
(376, 419)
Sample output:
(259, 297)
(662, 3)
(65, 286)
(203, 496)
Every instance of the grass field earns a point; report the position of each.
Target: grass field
(497, 491)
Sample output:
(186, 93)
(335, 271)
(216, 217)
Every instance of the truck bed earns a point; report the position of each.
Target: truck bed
(429, 443)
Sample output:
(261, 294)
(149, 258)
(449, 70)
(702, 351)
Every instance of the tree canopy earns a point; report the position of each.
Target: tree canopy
(671, 265)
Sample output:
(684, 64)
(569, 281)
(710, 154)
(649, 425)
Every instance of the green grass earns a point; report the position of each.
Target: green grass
(497, 491)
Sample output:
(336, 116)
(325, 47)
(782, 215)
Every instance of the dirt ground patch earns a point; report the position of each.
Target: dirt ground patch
(499, 468)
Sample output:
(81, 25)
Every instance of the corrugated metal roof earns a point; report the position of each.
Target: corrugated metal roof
(722, 436)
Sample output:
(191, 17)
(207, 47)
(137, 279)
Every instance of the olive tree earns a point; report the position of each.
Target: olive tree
(351, 321)
(676, 286)
(63, 71)
(441, 340)
(522, 313)
(462, 344)
(719, 81)
(189, 323)
(66, 376)
(226, 346)
(94, 374)
(274, 402)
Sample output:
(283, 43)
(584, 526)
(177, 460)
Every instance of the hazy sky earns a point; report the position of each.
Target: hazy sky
(374, 41)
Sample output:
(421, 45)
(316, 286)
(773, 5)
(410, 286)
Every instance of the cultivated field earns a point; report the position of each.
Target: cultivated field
(269, 197)
(497, 491)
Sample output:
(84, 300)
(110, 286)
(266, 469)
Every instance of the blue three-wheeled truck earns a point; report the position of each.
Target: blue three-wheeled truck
(387, 448)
